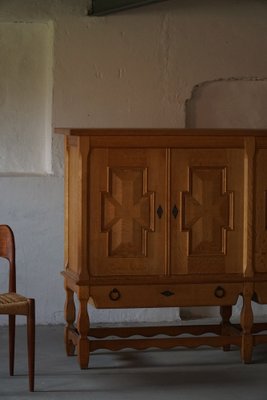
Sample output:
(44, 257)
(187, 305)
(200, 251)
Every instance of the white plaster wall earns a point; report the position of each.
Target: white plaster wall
(132, 69)
(26, 53)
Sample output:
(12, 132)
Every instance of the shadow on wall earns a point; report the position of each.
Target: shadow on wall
(228, 103)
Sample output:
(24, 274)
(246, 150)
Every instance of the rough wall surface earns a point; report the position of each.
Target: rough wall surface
(26, 53)
(133, 69)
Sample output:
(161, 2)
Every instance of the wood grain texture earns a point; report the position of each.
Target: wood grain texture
(248, 205)
(126, 233)
(260, 229)
(208, 187)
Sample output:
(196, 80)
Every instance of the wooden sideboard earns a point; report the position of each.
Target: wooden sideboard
(164, 218)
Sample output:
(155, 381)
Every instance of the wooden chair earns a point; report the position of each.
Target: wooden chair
(13, 304)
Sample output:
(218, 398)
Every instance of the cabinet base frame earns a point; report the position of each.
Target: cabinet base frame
(85, 339)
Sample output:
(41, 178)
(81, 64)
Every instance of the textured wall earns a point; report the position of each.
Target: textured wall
(133, 69)
(26, 53)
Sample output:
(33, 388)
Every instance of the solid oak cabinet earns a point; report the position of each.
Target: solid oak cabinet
(164, 218)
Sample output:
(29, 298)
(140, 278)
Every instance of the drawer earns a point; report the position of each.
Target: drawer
(178, 295)
(260, 288)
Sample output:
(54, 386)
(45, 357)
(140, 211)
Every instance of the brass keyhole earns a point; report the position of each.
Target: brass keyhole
(160, 211)
(175, 211)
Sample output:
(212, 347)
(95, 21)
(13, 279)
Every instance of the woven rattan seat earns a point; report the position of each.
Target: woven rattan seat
(13, 303)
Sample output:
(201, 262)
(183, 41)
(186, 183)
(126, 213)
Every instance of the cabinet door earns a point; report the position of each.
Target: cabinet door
(127, 212)
(261, 211)
(207, 188)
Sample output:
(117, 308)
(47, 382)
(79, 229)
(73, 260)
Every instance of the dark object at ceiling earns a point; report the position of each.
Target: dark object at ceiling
(104, 7)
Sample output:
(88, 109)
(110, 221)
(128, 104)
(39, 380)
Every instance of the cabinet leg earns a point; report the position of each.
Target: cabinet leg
(246, 324)
(70, 315)
(83, 324)
(226, 313)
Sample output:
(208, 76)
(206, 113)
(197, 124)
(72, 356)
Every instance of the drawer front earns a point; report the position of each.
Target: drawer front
(260, 289)
(134, 296)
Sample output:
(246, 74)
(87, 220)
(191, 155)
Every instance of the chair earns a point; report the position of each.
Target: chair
(13, 304)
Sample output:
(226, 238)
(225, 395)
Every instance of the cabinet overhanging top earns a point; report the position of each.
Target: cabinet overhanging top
(159, 132)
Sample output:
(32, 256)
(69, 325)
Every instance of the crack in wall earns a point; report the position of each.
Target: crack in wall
(164, 51)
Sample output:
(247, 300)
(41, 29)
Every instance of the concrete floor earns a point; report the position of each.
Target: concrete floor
(180, 374)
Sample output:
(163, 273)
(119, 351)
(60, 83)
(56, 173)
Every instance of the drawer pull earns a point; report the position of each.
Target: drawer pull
(114, 294)
(219, 292)
(167, 293)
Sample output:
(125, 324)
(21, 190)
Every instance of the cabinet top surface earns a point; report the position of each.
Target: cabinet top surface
(159, 132)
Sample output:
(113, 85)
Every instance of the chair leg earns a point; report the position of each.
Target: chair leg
(11, 334)
(31, 342)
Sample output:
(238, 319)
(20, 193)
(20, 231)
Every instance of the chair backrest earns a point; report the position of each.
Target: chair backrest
(7, 250)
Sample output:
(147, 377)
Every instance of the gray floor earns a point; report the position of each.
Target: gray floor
(180, 374)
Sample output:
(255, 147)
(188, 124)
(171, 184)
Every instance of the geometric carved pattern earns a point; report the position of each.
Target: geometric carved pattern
(127, 212)
(207, 211)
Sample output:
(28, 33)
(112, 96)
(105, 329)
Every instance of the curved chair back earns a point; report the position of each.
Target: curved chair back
(7, 251)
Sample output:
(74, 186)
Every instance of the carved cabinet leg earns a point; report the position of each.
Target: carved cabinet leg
(246, 324)
(226, 313)
(83, 325)
(70, 315)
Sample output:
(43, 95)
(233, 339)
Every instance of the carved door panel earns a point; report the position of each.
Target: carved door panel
(207, 211)
(128, 209)
(261, 211)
